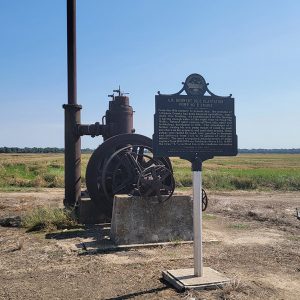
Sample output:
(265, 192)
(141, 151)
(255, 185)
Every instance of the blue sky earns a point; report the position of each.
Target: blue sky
(248, 48)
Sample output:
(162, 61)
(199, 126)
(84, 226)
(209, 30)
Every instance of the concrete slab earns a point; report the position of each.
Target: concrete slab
(183, 279)
(140, 220)
(110, 247)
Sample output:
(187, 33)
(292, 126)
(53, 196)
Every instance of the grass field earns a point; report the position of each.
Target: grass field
(244, 172)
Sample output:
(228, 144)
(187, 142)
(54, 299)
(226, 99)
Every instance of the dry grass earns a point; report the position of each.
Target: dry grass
(34, 171)
(232, 290)
(244, 172)
(48, 219)
(20, 243)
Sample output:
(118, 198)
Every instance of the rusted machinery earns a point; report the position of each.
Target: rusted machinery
(123, 163)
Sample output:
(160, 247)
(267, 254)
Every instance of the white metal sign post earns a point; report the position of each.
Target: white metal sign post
(198, 277)
(196, 127)
(197, 222)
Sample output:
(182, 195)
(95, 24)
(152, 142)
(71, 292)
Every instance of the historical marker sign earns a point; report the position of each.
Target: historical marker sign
(194, 125)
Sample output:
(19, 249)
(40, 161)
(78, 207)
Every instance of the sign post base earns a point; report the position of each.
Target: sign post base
(184, 279)
(199, 277)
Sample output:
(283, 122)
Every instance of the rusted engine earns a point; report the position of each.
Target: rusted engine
(123, 163)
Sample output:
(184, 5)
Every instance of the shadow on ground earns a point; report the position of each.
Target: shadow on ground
(145, 292)
(90, 238)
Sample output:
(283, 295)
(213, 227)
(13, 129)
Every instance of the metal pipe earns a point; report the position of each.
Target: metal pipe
(72, 155)
(197, 220)
(91, 129)
(197, 216)
(72, 117)
(71, 40)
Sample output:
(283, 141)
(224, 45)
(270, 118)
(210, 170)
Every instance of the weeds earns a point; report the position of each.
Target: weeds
(231, 289)
(206, 216)
(20, 244)
(293, 238)
(239, 226)
(176, 240)
(47, 219)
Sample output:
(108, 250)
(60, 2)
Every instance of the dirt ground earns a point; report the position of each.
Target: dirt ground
(252, 237)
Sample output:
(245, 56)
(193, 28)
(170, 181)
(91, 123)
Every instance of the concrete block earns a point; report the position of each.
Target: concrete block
(139, 220)
(183, 279)
(89, 212)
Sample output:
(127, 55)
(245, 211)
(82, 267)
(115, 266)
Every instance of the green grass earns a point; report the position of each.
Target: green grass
(206, 216)
(47, 219)
(294, 238)
(239, 226)
(27, 171)
(244, 172)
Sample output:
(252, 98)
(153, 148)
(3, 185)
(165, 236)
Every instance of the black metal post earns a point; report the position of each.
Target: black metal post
(71, 36)
(72, 117)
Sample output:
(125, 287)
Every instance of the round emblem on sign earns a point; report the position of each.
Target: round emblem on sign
(195, 85)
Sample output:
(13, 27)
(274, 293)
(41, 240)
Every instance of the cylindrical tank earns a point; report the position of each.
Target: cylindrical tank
(119, 117)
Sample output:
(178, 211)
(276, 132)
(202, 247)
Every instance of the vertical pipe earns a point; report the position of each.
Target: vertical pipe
(71, 40)
(72, 117)
(197, 220)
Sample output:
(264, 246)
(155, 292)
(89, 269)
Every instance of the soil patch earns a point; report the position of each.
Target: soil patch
(252, 237)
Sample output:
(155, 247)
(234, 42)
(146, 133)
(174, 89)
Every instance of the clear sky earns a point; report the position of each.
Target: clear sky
(248, 48)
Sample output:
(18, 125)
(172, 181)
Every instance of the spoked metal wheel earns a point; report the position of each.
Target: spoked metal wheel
(116, 165)
(123, 169)
(204, 200)
(156, 180)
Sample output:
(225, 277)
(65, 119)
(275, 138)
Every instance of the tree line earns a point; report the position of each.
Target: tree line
(286, 151)
(38, 150)
(88, 150)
